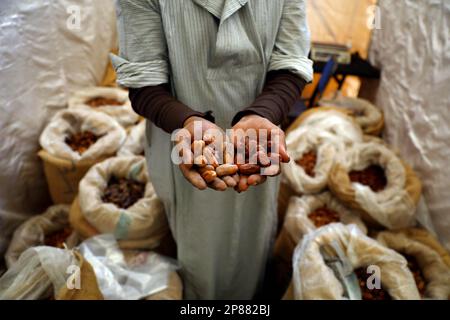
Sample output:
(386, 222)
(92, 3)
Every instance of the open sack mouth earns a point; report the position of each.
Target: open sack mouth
(373, 176)
(123, 192)
(82, 141)
(308, 162)
(103, 102)
(323, 216)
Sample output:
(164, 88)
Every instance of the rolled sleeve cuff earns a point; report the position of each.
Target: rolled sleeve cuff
(140, 74)
(301, 66)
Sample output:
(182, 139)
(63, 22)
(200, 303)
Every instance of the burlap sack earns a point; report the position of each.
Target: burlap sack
(295, 176)
(63, 167)
(135, 141)
(368, 116)
(123, 113)
(85, 230)
(429, 240)
(174, 290)
(32, 232)
(142, 225)
(435, 272)
(88, 290)
(68, 122)
(63, 176)
(393, 207)
(314, 280)
(297, 225)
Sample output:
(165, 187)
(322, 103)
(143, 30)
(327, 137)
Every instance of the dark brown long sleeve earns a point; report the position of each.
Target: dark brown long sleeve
(157, 104)
(281, 91)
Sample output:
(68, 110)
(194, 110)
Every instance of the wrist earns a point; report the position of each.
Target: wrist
(199, 116)
(191, 119)
(246, 115)
(251, 116)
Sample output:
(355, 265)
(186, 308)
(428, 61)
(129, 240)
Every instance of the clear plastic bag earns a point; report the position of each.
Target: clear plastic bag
(118, 280)
(38, 274)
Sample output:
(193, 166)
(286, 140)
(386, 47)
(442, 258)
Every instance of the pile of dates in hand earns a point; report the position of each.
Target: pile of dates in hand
(230, 164)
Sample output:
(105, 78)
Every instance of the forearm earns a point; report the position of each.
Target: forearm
(281, 91)
(157, 104)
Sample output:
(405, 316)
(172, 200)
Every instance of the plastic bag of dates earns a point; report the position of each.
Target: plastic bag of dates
(368, 116)
(112, 101)
(40, 273)
(116, 196)
(372, 179)
(72, 142)
(430, 272)
(304, 215)
(52, 228)
(339, 262)
(312, 158)
(332, 124)
(135, 142)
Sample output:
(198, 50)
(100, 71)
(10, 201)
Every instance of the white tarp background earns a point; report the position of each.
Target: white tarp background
(413, 50)
(41, 61)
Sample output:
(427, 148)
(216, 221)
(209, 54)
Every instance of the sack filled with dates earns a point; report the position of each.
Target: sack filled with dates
(52, 228)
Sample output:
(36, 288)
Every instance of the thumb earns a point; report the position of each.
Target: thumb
(277, 138)
(283, 153)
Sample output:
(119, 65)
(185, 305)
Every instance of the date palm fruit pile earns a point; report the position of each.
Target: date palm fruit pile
(214, 165)
(81, 141)
(323, 216)
(58, 238)
(103, 101)
(373, 176)
(366, 293)
(123, 192)
(308, 163)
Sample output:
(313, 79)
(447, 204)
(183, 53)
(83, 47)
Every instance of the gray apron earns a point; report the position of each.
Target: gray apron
(223, 238)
